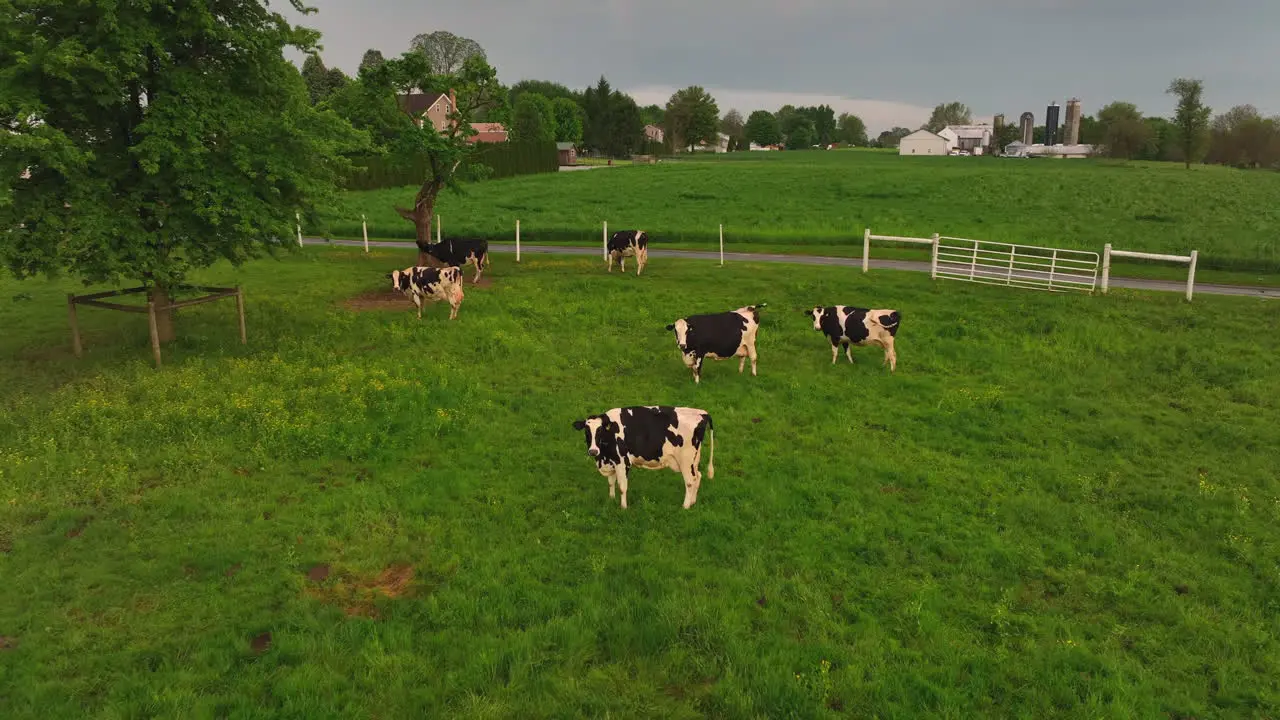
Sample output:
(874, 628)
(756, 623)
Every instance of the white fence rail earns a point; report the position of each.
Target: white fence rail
(1190, 260)
(1027, 266)
(867, 237)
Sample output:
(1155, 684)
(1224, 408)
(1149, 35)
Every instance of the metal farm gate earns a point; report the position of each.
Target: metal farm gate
(1026, 266)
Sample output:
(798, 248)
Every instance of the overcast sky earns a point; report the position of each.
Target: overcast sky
(889, 61)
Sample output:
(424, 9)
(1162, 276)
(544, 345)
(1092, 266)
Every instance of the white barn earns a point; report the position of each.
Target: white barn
(923, 142)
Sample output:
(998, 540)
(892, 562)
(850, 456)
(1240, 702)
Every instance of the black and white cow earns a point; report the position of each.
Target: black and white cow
(718, 336)
(651, 437)
(848, 326)
(460, 252)
(628, 243)
(420, 283)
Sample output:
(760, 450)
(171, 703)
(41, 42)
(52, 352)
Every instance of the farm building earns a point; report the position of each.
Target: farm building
(923, 142)
(432, 106)
(1017, 149)
(568, 154)
(489, 133)
(969, 138)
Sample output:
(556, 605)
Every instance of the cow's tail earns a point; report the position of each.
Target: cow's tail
(711, 459)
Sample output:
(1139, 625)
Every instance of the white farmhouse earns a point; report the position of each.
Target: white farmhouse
(923, 142)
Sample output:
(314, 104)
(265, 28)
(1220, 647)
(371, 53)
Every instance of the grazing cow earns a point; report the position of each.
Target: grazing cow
(420, 283)
(651, 437)
(844, 325)
(628, 243)
(460, 252)
(718, 336)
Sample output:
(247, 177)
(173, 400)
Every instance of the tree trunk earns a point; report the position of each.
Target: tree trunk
(164, 314)
(421, 216)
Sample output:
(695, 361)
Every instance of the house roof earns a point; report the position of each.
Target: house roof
(564, 145)
(417, 103)
(489, 127)
(970, 132)
(922, 133)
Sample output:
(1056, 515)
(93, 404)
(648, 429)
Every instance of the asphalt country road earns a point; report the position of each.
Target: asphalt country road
(1118, 282)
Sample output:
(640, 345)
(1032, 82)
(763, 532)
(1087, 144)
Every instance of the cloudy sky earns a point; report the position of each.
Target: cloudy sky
(889, 61)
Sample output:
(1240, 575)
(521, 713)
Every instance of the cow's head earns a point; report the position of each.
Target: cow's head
(399, 280)
(602, 437)
(816, 313)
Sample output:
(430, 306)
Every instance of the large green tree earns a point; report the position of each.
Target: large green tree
(446, 53)
(823, 118)
(1191, 118)
(569, 119)
(762, 128)
(853, 131)
(160, 138)
(321, 81)
(372, 59)
(550, 90)
(533, 119)
(1124, 133)
(443, 152)
(693, 117)
(952, 113)
(613, 123)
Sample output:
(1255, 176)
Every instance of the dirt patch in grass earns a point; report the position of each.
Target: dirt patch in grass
(358, 595)
(318, 573)
(8, 643)
(388, 299)
(79, 527)
(261, 643)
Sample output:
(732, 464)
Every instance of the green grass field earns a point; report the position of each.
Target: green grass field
(820, 201)
(1059, 506)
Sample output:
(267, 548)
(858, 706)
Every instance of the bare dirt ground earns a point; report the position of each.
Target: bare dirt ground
(387, 299)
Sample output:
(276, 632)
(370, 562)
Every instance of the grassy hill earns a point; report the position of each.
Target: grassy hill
(823, 200)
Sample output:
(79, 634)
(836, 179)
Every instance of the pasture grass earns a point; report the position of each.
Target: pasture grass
(816, 201)
(1059, 506)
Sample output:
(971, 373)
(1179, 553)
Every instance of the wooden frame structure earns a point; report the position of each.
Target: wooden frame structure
(94, 300)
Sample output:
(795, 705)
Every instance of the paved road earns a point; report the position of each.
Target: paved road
(1131, 283)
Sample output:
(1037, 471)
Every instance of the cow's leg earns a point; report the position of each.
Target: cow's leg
(622, 263)
(691, 482)
(642, 259)
(417, 300)
(890, 355)
(835, 350)
(610, 261)
(697, 369)
(475, 261)
(621, 473)
(613, 481)
(848, 351)
(751, 351)
(454, 301)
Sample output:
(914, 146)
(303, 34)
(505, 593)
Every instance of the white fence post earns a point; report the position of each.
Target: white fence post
(604, 240)
(866, 249)
(517, 241)
(437, 229)
(298, 217)
(1191, 274)
(364, 227)
(1106, 267)
(721, 244)
(933, 261)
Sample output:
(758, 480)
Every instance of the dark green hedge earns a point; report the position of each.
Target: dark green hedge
(506, 160)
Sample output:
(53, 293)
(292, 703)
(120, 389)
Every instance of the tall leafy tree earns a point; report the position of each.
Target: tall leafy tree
(372, 59)
(734, 127)
(823, 118)
(853, 130)
(892, 138)
(952, 113)
(533, 119)
(1124, 133)
(550, 90)
(160, 139)
(1191, 118)
(613, 122)
(443, 153)
(693, 117)
(653, 115)
(445, 52)
(569, 118)
(762, 128)
(799, 132)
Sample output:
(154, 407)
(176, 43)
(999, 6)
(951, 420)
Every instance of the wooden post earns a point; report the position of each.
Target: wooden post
(364, 227)
(866, 249)
(437, 229)
(1106, 267)
(240, 311)
(604, 241)
(155, 333)
(1191, 273)
(75, 327)
(721, 244)
(298, 217)
(517, 241)
(933, 261)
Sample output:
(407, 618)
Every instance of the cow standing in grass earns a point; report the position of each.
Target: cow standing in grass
(848, 326)
(628, 243)
(458, 251)
(651, 437)
(718, 336)
(421, 283)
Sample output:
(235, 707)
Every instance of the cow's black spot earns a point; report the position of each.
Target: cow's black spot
(890, 322)
(646, 430)
(855, 327)
(717, 333)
